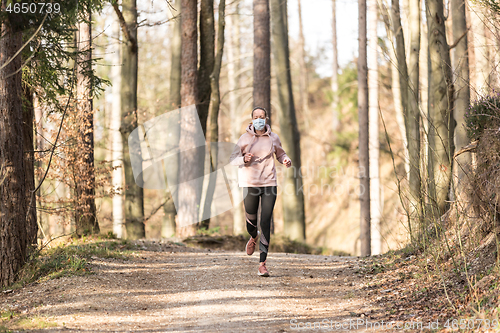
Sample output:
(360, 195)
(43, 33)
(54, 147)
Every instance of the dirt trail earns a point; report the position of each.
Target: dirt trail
(174, 288)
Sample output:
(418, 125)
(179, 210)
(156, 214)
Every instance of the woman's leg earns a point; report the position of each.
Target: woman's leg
(268, 200)
(251, 203)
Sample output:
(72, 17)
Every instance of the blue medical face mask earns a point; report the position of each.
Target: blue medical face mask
(259, 124)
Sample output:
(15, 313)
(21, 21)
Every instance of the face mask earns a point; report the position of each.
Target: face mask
(259, 124)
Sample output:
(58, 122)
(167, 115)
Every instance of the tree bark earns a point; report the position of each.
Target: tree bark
(207, 60)
(413, 118)
(14, 235)
(335, 71)
(214, 112)
(462, 162)
(293, 202)
(117, 143)
(189, 195)
(396, 86)
(364, 162)
(205, 70)
(440, 110)
(175, 66)
(481, 54)
(86, 215)
(233, 69)
(262, 56)
(373, 123)
(29, 164)
(168, 226)
(134, 194)
(424, 102)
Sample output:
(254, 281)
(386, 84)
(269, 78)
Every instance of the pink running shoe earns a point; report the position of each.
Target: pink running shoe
(262, 269)
(252, 242)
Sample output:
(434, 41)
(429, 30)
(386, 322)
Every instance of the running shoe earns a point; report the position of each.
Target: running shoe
(252, 242)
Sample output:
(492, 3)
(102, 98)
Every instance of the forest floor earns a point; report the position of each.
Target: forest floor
(165, 286)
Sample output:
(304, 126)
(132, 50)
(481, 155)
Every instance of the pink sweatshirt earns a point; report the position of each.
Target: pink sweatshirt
(260, 170)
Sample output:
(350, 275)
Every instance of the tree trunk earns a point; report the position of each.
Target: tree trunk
(39, 145)
(461, 165)
(29, 164)
(85, 210)
(189, 194)
(168, 227)
(303, 80)
(409, 99)
(14, 236)
(364, 162)
(373, 123)
(134, 194)
(214, 112)
(233, 69)
(261, 56)
(207, 59)
(117, 143)
(440, 110)
(480, 45)
(396, 84)
(424, 102)
(335, 71)
(175, 66)
(413, 118)
(293, 203)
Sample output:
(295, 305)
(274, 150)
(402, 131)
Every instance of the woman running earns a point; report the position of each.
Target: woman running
(257, 175)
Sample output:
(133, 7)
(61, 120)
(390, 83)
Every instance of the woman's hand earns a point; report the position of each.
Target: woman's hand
(247, 158)
(287, 162)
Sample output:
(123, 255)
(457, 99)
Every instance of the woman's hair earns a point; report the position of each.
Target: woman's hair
(259, 108)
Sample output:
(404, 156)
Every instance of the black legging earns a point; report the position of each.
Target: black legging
(267, 195)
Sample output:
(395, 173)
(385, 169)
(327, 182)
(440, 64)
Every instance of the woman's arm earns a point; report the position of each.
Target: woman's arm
(237, 157)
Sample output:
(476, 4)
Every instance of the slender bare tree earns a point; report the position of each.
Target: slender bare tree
(207, 59)
(261, 55)
(413, 117)
(335, 70)
(168, 227)
(189, 194)
(134, 194)
(233, 69)
(364, 162)
(481, 53)
(293, 203)
(303, 78)
(462, 94)
(374, 144)
(85, 210)
(116, 138)
(440, 110)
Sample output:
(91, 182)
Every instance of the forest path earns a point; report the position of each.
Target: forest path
(164, 288)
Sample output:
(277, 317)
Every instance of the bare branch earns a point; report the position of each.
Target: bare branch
(124, 27)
